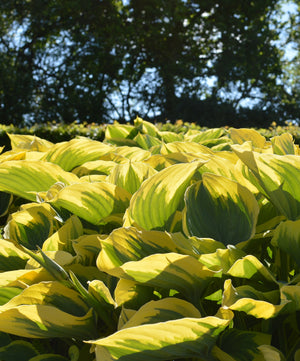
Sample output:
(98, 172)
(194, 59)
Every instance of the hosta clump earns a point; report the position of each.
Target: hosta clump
(150, 245)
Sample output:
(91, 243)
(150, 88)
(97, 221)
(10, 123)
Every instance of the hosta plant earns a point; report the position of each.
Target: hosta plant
(150, 245)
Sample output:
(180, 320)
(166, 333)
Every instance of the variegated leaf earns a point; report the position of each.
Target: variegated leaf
(26, 178)
(130, 175)
(159, 196)
(47, 309)
(183, 338)
(220, 208)
(93, 202)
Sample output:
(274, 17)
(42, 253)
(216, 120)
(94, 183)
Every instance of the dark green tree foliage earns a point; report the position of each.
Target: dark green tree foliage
(189, 41)
(97, 60)
(65, 61)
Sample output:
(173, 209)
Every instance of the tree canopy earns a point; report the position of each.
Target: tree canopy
(214, 62)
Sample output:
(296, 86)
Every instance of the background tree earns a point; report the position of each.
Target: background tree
(210, 61)
(188, 42)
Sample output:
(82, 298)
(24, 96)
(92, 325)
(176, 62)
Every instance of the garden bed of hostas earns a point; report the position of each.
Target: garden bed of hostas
(150, 245)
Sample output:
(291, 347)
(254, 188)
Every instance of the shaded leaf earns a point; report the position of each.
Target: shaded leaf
(17, 350)
(49, 357)
(287, 237)
(220, 208)
(243, 345)
(5, 201)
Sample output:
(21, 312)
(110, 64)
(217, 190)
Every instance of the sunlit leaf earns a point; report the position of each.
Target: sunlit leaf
(94, 202)
(135, 154)
(159, 196)
(130, 175)
(130, 244)
(186, 337)
(169, 270)
(101, 293)
(146, 141)
(7, 293)
(251, 306)
(242, 135)
(12, 155)
(212, 133)
(31, 226)
(11, 257)
(26, 178)
(24, 277)
(161, 311)
(159, 162)
(61, 240)
(60, 257)
(221, 259)
(250, 267)
(186, 147)
(93, 178)
(120, 131)
(283, 144)
(169, 137)
(94, 167)
(145, 127)
(47, 309)
(29, 142)
(197, 245)
(75, 152)
(276, 177)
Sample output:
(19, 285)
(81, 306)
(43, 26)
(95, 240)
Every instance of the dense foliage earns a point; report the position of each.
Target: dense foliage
(150, 245)
(95, 61)
(59, 132)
